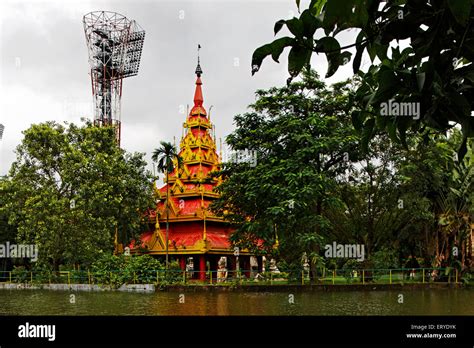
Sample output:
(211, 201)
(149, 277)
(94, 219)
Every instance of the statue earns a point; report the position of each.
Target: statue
(305, 262)
(253, 266)
(190, 267)
(222, 270)
(273, 267)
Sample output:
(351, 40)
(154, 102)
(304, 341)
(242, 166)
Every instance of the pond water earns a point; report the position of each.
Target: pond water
(415, 302)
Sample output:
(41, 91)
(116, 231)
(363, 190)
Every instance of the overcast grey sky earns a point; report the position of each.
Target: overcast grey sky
(44, 67)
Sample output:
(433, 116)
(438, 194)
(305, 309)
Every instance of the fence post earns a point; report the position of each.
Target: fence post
(390, 276)
(271, 278)
(210, 277)
(333, 276)
(31, 277)
(423, 276)
(457, 275)
(134, 277)
(10, 273)
(89, 276)
(363, 276)
(184, 276)
(302, 277)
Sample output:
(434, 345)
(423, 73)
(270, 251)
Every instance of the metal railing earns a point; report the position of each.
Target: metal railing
(242, 277)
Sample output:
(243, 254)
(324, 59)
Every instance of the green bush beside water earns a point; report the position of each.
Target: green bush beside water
(117, 270)
(108, 270)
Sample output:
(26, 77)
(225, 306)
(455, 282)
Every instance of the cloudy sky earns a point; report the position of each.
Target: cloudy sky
(44, 65)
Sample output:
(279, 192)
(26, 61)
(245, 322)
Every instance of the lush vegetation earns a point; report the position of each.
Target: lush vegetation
(70, 191)
(166, 156)
(117, 270)
(313, 185)
(107, 269)
(421, 51)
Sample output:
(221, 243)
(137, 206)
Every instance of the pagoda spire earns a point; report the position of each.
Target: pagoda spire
(198, 99)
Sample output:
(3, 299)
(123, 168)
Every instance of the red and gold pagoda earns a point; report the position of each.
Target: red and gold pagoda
(194, 231)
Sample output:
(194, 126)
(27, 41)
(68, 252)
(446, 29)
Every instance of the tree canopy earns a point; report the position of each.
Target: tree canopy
(312, 185)
(303, 143)
(421, 51)
(71, 188)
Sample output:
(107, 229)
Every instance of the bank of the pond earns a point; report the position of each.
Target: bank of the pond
(309, 288)
(150, 288)
(147, 288)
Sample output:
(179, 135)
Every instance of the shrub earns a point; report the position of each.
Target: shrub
(20, 274)
(142, 269)
(349, 267)
(42, 273)
(385, 259)
(117, 270)
(108, 270)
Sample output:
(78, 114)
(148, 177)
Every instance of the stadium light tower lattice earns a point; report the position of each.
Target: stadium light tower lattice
(115, 46)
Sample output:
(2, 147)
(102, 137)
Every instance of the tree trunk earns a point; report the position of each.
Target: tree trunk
(313, 275)
(56, 267)
(167, 216)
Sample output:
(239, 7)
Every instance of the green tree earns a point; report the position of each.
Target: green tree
(70, 188)
(167, 158)
(455, 214)
(434, 69)
(304, 141)
(369, 197)
(416, 200)
(385, 199)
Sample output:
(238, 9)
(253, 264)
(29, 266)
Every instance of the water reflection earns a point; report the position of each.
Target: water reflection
(420, 302)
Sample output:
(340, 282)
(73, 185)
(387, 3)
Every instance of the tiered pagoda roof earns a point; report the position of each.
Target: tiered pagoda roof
(193, 228)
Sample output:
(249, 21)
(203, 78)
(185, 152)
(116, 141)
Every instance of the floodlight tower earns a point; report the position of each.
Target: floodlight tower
(115, 46)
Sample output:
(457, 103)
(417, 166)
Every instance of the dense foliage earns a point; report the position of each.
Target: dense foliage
(312, 185)
(70, 189)
(117, 270)
(421, 51)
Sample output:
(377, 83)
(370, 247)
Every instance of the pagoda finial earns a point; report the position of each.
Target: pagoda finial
(198, 68)
(198, 99)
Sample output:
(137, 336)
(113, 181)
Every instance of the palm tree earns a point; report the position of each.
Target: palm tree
(165, 156)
